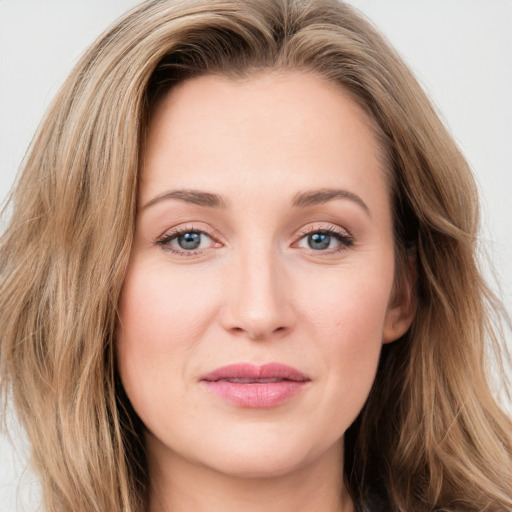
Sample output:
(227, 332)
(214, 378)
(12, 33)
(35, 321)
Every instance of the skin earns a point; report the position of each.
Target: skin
(256, 290)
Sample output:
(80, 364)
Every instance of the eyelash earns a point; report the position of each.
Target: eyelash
(165, 241)
(341, 235)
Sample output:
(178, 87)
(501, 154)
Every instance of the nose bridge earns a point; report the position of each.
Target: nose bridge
(257, 303)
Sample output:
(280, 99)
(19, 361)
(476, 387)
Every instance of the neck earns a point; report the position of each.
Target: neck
(178, 485)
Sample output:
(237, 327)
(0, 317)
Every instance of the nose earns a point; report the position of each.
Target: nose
(258, 304)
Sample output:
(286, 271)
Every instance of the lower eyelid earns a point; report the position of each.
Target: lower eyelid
(341, 241)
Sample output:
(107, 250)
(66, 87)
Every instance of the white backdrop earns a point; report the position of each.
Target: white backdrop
(461, 51)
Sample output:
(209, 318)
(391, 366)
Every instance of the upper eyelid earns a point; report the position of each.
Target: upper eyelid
(188, 228)
(305, 230)
(176, 234)
(330, 228)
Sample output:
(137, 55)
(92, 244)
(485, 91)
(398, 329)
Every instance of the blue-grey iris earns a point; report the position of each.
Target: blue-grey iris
(189, 241)
(319, 241)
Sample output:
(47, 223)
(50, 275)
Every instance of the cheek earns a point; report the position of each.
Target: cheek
(345, 316)
(349, 304)
(159, 303)
(162, 318)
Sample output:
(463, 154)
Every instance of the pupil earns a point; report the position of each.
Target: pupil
(189, 241)
(319, 241)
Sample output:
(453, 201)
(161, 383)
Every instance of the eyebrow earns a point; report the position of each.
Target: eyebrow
(196, 197)
(300, 200)
(323, 195)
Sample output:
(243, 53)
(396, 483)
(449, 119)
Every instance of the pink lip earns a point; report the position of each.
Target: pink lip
(248, 385)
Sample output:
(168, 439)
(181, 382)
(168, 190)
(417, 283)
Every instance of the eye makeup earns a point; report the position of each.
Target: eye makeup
(320, 239)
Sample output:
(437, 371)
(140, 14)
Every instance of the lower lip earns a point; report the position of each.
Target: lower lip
(269, 394)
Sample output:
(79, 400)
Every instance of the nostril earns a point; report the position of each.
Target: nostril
(257, 334)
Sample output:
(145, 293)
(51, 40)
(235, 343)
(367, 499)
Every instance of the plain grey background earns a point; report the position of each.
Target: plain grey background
(460, 50)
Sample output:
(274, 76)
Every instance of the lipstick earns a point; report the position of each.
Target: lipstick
(251, 386)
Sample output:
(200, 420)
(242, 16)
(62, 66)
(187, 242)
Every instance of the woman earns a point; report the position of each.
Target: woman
(251, 246)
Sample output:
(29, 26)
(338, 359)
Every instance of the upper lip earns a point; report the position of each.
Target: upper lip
(253, 372)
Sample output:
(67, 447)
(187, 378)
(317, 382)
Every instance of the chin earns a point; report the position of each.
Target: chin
(259, 465)
(267, 455)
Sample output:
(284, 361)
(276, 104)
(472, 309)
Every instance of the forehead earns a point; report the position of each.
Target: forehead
(217, 128)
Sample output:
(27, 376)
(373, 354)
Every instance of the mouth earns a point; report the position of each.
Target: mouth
(248, 381)
(251, 386)
(246, 373)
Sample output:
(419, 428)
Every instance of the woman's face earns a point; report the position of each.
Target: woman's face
(260, 286)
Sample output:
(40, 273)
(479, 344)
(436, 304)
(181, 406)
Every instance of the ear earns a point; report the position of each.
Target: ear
(402, 306)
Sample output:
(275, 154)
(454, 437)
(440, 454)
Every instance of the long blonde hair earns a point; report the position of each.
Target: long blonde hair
(431, 435)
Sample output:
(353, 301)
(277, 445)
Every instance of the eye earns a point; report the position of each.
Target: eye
(186, 241)
(325, 239)
(319, 241)
(189, 241)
